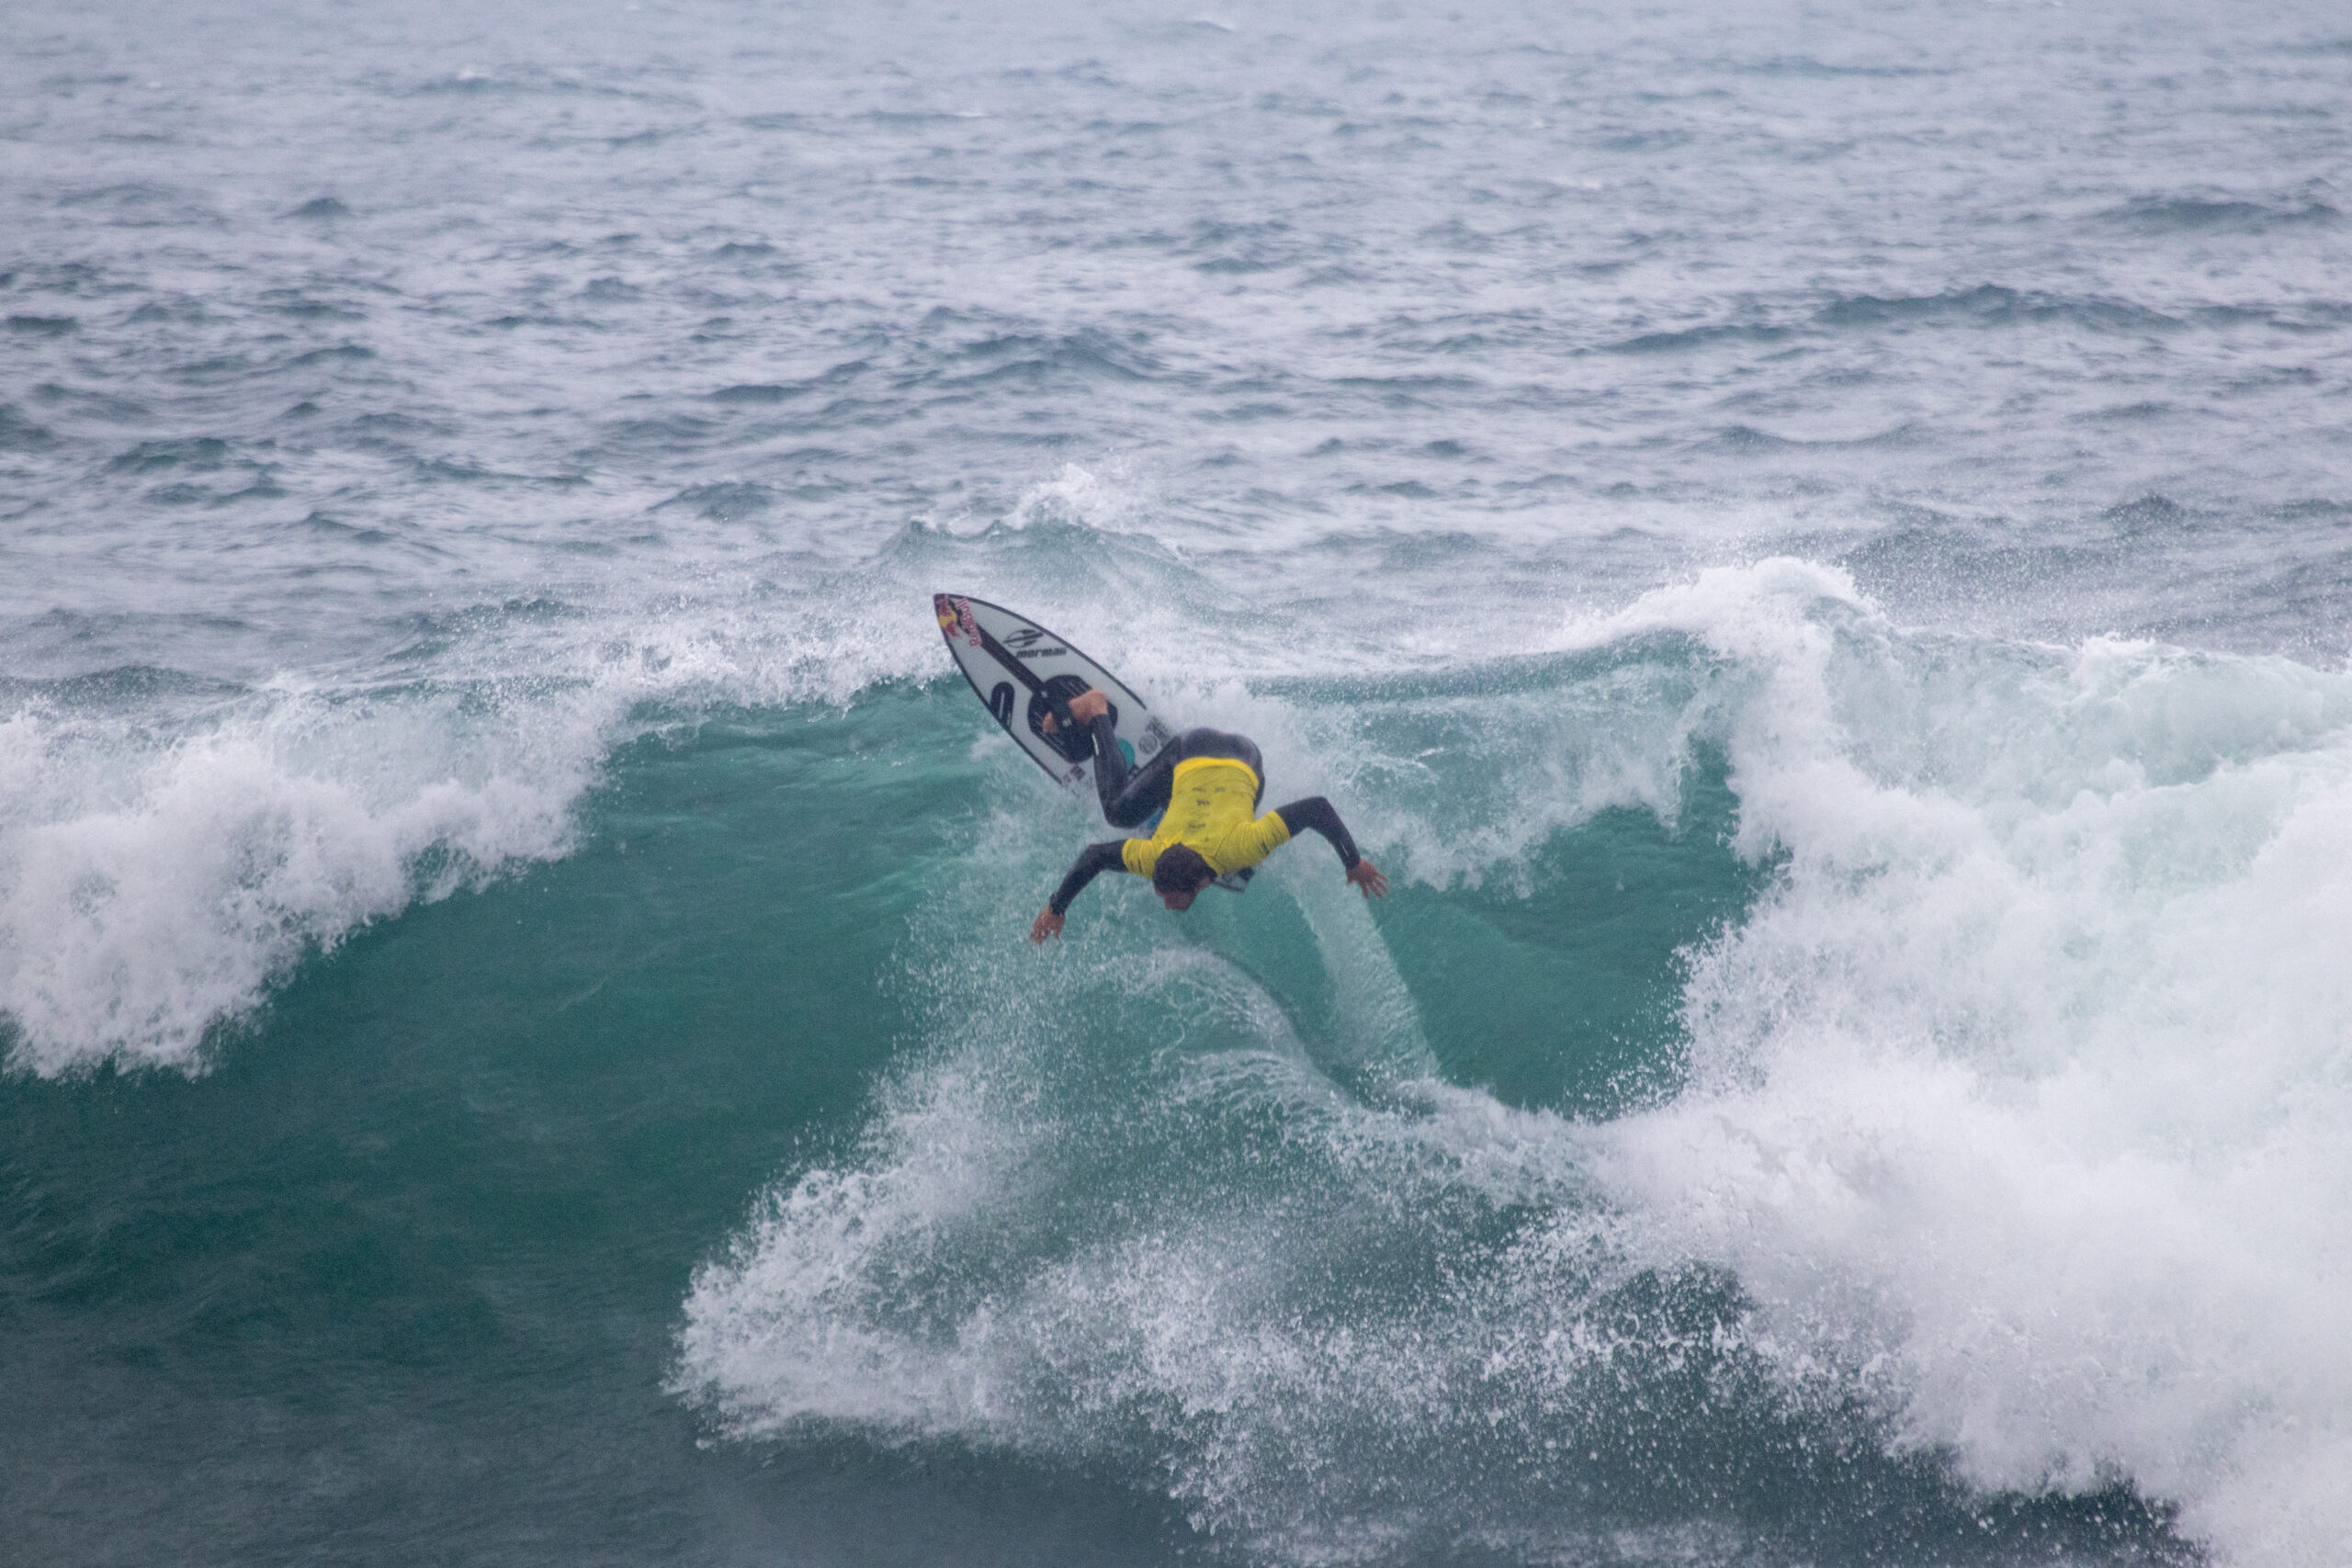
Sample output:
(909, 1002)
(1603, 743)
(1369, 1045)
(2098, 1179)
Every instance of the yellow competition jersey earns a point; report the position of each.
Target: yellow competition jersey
(1209, 802)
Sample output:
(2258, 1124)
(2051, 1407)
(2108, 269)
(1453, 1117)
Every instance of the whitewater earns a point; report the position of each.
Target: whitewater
(1812, 545)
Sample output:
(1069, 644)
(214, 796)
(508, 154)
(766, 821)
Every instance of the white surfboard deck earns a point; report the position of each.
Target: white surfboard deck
(1020, 670)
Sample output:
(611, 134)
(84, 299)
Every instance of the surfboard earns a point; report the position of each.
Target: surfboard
(1021, 674)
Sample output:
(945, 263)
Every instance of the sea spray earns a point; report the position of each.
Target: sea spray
(1930, 1197)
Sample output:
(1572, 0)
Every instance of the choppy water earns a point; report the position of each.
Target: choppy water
(1814, 543)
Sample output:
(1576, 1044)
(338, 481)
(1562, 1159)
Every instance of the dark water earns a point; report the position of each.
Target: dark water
(1812, 545)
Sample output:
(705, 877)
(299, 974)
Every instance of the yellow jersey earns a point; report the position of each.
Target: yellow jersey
(1209, 804)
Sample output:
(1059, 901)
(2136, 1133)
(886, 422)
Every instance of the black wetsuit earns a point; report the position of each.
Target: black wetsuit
(1130, 797)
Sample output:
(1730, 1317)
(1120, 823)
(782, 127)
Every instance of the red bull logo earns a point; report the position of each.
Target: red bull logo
(954, 615)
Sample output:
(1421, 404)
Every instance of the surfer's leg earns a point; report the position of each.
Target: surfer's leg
(1129, 797)
(1110, 763)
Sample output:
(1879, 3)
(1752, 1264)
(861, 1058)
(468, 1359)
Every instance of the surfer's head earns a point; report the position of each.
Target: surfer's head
(1179, 875)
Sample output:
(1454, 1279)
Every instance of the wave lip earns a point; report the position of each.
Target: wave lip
(172, 846)
(153, 890)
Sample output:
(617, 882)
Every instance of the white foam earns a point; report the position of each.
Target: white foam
(153, 887)
(1083, 1255)
(2032, 1071)
(976, 1274)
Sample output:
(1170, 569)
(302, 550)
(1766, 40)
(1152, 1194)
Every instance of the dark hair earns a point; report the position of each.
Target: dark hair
(1181, 869)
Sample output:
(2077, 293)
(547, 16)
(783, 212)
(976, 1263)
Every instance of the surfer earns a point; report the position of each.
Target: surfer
(1208, 783)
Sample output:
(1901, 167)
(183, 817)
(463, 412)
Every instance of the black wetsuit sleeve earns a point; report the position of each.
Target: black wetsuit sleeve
(1130, 796)
(1317, 813)
(1092, 860)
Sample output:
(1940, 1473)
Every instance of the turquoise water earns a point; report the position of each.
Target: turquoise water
(1810, 545)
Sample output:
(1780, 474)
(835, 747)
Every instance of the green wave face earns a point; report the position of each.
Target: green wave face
(1509, 1211)
(1585, 1197)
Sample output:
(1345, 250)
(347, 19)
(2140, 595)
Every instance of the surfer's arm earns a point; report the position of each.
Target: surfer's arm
(1091, 863)
(1319, 814)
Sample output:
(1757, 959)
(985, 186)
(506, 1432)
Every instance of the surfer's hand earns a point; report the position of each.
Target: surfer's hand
(1368, 880)
(1047, 924)
(1089, 706)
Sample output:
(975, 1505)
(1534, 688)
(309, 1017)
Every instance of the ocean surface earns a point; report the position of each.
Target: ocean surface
(1814, 542)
